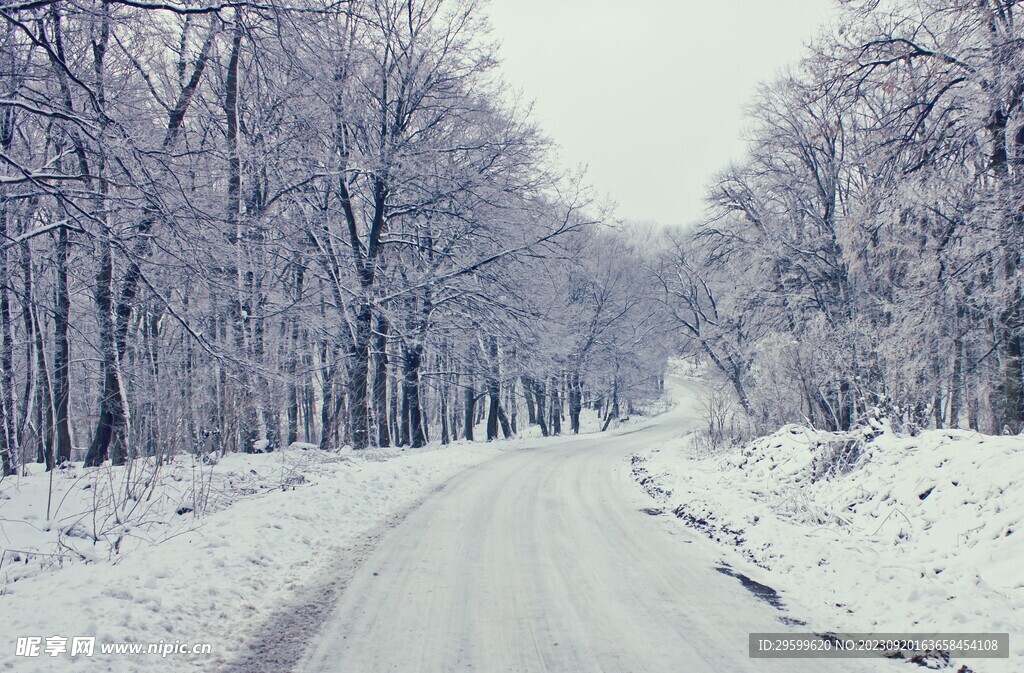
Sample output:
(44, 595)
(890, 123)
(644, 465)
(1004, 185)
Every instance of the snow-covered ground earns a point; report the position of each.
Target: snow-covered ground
(865, 533)
(194, 551)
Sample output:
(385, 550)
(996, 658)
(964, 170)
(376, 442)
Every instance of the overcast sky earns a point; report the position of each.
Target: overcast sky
(649, 94)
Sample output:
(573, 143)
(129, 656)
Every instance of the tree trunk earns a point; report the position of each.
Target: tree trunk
(506, 427)
(513, 406)
(411, 366)
(8, 433)
(43, 399)
(292, 412)
(575, 400)
(956, 385)
(493, 388)
(537, 391)
(456, 418)
(613, 413)
(328, 412)
(531, 410)
(469, 398)
(1012, 379)
(380, 381)
(359, 412)
(446, 430)
(243, 310)
(556, 408)
(396, 435)
(109, 440)
(403, 427)
(62, 354)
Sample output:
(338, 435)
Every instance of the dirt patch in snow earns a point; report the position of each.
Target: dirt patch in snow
(281, 642)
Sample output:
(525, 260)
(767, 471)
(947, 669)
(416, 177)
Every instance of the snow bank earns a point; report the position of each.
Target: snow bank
(190, 552)
(866, 532)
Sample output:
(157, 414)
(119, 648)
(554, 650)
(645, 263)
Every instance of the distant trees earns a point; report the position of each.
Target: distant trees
(864, 259)
(232, 228)
(602, 333)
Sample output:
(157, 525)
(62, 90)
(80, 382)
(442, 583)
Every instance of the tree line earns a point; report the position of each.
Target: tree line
(862, 263)
(238, 226)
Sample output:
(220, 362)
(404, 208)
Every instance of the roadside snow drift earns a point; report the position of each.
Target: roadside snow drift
(867, 533)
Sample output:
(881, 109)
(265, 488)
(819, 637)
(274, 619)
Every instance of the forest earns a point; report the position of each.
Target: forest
(861, 266)
(242, 226)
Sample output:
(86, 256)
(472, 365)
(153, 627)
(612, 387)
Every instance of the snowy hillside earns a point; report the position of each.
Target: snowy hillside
(862, 533)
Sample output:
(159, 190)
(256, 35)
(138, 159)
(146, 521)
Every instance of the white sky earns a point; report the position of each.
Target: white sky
(649, 94)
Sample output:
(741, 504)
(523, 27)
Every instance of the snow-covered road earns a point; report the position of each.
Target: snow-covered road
(542, 560)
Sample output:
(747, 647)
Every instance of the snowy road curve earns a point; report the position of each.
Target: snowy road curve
(541, 560)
